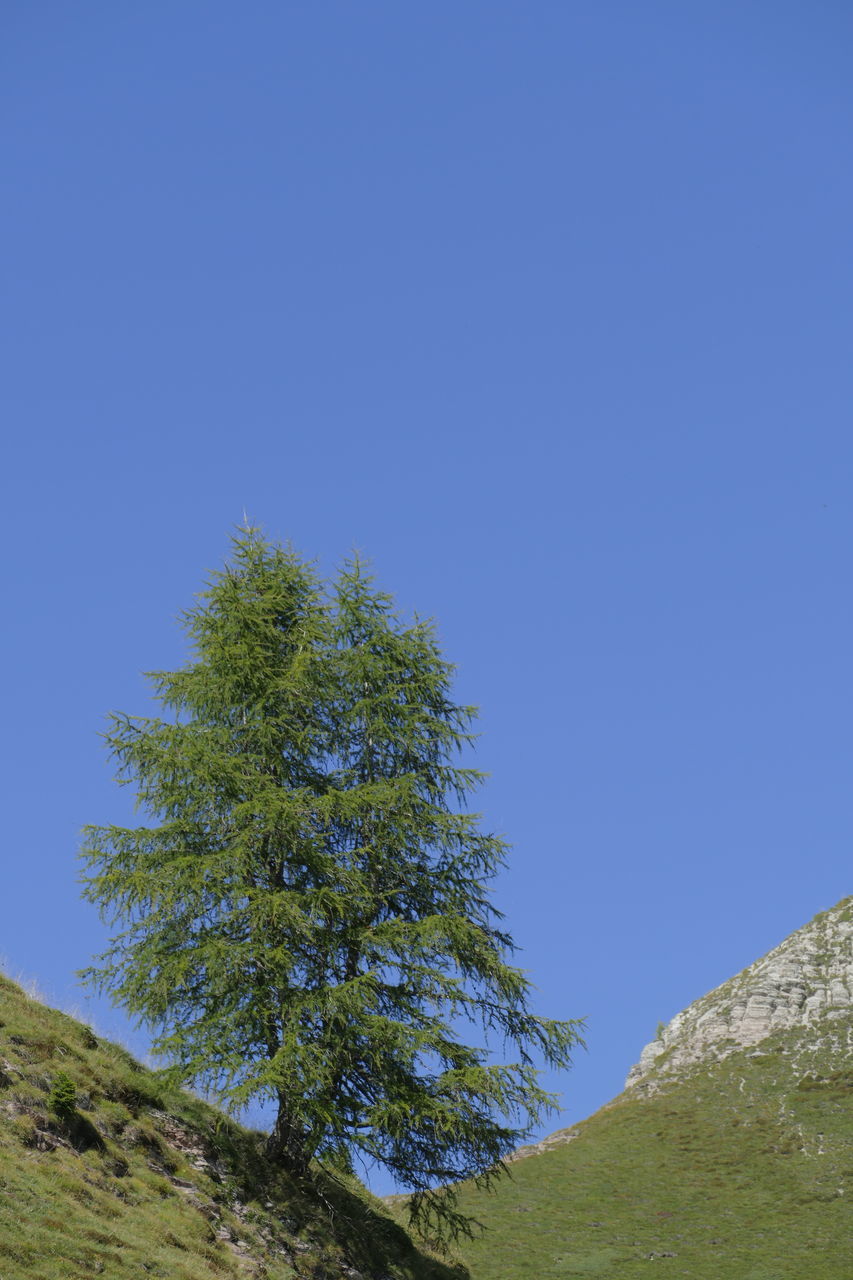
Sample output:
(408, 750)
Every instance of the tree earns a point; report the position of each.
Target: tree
(307, 920)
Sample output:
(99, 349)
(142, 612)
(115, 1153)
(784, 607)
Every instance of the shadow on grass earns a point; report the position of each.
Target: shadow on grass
(374, 1241)
(334, 1210)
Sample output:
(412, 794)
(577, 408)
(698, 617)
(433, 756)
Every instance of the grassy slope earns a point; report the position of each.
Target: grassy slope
(145, 1182)
(742, 1169)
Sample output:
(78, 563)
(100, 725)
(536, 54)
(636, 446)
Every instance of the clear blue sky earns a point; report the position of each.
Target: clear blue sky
(544, 307)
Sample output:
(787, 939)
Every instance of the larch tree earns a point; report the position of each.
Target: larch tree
(305, 920)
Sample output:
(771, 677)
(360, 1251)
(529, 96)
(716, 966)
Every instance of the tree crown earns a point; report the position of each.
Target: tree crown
(306, 919)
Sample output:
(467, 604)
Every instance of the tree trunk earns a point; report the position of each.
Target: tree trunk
(286, 1144)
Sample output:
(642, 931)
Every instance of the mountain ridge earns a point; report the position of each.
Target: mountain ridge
(805, 981)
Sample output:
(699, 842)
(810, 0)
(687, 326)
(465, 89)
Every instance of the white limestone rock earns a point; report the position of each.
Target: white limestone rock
(806, 982)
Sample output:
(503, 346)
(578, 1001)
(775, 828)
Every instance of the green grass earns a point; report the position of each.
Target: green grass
(742, 1169)
(112, 1186)
(738, 1170)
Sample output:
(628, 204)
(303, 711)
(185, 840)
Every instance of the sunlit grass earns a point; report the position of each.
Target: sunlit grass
(741, 1170)
(115, 1190)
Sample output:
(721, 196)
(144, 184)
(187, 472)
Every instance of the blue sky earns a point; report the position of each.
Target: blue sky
(546, 309)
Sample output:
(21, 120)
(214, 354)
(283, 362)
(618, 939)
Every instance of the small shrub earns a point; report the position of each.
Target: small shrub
(62, 1099)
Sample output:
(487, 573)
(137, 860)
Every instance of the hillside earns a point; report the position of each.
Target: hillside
(129, 1179)
(728, 1157)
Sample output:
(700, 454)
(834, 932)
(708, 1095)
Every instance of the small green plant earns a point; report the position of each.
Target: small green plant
(62, 1099)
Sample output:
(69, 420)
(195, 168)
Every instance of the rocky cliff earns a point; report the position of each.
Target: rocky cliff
(806, 984)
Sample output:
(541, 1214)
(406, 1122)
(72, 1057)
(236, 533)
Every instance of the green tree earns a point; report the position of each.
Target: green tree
(306, 920)
(62, 1098)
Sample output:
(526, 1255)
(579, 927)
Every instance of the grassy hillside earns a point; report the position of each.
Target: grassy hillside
(131, 1180)
(735, 1167)
(743, 1170)
(739, 1166)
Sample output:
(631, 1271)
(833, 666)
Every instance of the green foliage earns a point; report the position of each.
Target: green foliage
(62, 1098)
(306, 918)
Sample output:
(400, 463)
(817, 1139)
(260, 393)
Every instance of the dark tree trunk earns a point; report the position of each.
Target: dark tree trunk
(286, 1143)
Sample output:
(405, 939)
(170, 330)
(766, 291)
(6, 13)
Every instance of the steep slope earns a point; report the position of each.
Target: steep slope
(729, 1155)
(104, 1172)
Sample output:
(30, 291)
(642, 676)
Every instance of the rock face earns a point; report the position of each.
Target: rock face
(558, 1139)
(806, 982)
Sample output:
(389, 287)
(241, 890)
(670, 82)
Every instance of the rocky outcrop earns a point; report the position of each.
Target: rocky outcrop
(806, 982)
(558, 1139)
